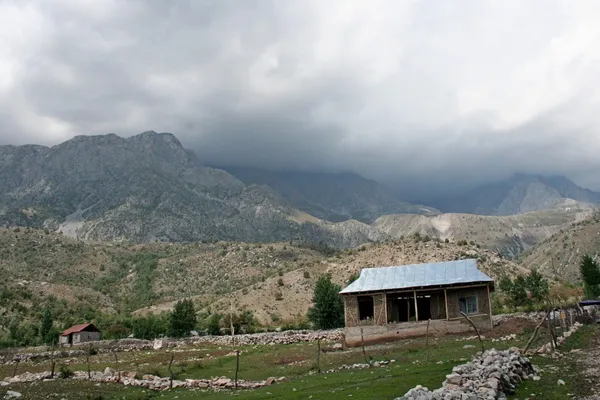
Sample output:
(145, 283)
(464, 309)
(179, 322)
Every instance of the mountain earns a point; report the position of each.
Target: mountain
(510, 236)
(560, 254)
(520, 194)
(331, 196)
(148, 188)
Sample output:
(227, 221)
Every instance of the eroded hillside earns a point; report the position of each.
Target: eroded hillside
(559, 255)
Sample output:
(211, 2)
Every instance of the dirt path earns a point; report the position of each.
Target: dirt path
(588, 359)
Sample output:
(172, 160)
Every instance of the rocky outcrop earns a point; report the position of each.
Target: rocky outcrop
(491, 375)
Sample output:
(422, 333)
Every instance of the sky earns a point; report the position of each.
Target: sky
(427, 94)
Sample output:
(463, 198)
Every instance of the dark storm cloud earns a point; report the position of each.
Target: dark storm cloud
(420, 92)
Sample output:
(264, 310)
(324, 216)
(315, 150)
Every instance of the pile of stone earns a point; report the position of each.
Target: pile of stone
(151, 382)
(547, 348)
(491, 375)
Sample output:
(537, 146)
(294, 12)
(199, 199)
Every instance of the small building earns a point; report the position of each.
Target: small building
(396, 302)
(79, 334)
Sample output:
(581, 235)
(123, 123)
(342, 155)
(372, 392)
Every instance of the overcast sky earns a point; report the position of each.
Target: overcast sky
(399, 90)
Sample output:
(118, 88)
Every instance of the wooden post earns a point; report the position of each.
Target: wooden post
(231, 323)
(490, 307)
(319, 356)
(117, 365)
(16, 366)
(362, 341)
(345, 311)
(87, 360)
(171, 372)
(427, 341)
(446, 300)
(416, 308)
(476, 330)
(535, 331)
(237, 367)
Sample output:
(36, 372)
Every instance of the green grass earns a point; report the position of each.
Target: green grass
(297, 362)
(563, 368)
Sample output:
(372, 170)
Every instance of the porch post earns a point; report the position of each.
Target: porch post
(446, 300)
(345, 313)
(490, 306)
(416, 308)
(385, 305)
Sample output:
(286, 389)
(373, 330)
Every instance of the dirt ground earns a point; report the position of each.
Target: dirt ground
(513, 325)
(589, 362)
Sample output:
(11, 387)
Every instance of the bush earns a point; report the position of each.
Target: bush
(280, 282)
(65, 372)
(306, 274)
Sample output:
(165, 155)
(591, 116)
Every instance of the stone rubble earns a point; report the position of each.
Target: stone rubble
(151, 382)
(490, 376)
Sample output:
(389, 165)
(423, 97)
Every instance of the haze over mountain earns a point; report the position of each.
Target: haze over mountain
(334, 197)
(519, 194)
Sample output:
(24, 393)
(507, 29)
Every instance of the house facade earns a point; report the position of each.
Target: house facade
(396, 302)
(79, 334)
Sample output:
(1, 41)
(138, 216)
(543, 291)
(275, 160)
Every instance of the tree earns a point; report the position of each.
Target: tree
(328, 307)
(46, 331)
(183, 318)
(525, 290)
(590, 272)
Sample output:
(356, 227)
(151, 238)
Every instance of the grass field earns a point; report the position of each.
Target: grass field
(297, 363)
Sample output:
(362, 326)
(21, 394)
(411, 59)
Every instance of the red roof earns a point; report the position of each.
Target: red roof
(77, 328)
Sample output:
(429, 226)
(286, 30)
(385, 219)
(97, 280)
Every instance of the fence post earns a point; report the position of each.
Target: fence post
(237, 367)
(319, 356)
(427, 341)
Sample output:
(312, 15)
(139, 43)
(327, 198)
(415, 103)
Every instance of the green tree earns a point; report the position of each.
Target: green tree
(182, 319)
(328, 307)
(525, 290)
(590, 272)
(46, 331)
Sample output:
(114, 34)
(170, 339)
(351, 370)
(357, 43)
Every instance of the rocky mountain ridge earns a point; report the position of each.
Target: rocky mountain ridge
(148, 188)
(519, 194)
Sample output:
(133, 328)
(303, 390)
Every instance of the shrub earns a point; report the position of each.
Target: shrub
(327, 311)
(280, 282)
(65, 372)
(306, 274)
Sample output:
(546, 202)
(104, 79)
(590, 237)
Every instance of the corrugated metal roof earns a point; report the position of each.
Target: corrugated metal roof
(417, 275)
(77, 328)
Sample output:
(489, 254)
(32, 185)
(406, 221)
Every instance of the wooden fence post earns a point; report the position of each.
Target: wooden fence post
(476, 330)
(319, 356)
(237, 367)
(171, 372)
(427, 341)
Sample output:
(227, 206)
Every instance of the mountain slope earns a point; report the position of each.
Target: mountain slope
(559, 255)
(334, 197)
(146, 188)
(509, 235)
(520, 194)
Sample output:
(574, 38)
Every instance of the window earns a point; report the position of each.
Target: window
(468, 304)
(366, 308)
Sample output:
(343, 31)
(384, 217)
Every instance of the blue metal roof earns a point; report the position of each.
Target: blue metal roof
(417, 275)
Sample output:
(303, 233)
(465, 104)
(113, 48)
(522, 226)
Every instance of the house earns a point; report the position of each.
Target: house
(79, 334)
(396, 302)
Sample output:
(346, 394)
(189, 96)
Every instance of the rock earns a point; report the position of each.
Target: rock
(560, 382)
(11, 394)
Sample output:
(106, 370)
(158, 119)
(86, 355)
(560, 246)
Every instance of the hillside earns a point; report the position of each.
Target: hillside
(148, 188)
(85, 276)
(331, 196)
(287, 295)
(510, 235)
(559, 255)
(519, 194)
